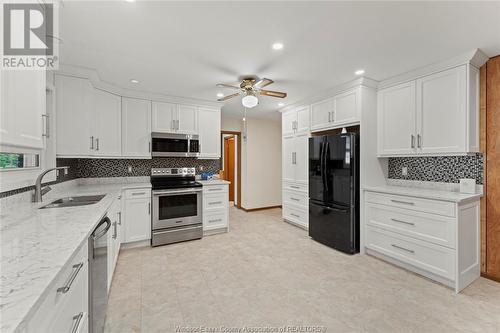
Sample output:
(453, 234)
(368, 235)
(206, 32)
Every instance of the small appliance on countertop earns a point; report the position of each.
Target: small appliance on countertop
(177, 206)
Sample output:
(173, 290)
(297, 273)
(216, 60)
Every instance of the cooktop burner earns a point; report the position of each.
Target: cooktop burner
(171, 178)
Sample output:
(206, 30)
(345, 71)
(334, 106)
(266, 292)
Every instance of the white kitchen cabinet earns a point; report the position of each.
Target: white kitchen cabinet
(174, 118)
(114, 237)
(74, 117)
(295, 121)
(215, 208)
(107, 129)
(288, 158)
(137, 215)
(295, 158)
(22, 108)
(136, 128)
(397, 120)
(339, 111)
(209, 132)
(435, 114)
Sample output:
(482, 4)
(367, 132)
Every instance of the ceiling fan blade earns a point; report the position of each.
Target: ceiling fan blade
(262, 83)
(223, 85)
(272, 93)
(225, 98)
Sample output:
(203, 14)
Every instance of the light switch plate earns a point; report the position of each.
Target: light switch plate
(468, 185)
(404, 171)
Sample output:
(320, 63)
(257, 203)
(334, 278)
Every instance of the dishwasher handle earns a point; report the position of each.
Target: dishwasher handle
(103, 232)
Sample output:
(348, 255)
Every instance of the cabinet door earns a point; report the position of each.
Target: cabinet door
(209, 133)
(137, 219)
(22, 106)
(164, 115)
(187, 119)
(303, 119)
(136, 127)
(288, 120)
(108, 120)
(289, 158)
(396, 120)
(346, 108)
(321, 114)
(442, 112)
(302, 158)
(74, 116)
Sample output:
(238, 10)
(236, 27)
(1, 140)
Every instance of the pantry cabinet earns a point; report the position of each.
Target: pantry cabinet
(339, 111)
(136, 128)
(209, 123)
(22, 122)
(437, 114)
(174, 118)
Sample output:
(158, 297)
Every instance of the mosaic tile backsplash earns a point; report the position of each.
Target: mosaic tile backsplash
(446, 169)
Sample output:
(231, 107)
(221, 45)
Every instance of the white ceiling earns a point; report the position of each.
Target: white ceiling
(185, 48)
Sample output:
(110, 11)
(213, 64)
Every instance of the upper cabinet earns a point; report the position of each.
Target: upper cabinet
(107, 128)
(436, 114)
(339, 111)
(22, 101)
(295, 121)
(174, 118)
(136, 128)
(209, 126)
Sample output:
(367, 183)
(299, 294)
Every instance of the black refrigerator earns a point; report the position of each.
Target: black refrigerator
(334, 191)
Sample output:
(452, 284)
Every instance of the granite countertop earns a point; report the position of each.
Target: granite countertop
(425, 193)
(213, 182)
(37, 243)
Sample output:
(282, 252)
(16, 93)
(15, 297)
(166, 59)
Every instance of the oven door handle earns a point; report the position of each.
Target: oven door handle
(187, 191)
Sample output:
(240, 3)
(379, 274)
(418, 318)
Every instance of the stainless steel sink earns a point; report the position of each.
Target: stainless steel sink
(74, 201)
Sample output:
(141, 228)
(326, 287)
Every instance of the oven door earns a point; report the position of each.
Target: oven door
(174, 208)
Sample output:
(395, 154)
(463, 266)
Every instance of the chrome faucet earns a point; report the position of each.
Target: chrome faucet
(39, 192)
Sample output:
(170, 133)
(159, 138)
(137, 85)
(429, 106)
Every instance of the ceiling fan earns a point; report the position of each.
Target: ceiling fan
(249, 88)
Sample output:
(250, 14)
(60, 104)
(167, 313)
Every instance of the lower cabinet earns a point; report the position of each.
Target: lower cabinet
(137, 215)
(215, 208)
(435, 238)
(114, 237)
(296, 204)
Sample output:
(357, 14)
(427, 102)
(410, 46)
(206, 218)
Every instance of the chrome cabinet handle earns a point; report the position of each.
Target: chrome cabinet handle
(78, 320)
(149, 208)
(178, 124)
(119, 218)
(215, 220)
(138, 193)
(401, 221)
(329, 116)
(96, 143)
(403, 202)
(402, 248)
(295, 215)
(91, 142)
(215, 189)
(215, 203)
(413, 141)
(295, 187)
(76, 270)
(47, 127)
(149, 146)
(294, 199)
(115, 231)
(419, 141)
(172, 126)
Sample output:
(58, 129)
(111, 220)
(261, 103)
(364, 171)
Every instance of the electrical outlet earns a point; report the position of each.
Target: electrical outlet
(404, 171)
(129, 169)
(201, 167)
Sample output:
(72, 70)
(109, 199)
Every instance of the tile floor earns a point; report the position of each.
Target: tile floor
(267, 273)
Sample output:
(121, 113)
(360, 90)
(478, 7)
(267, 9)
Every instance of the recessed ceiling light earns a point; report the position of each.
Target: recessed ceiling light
(277, 46)
(220, 95)
(130, 0)
(359, 72)
(134, 81)
(281, 104)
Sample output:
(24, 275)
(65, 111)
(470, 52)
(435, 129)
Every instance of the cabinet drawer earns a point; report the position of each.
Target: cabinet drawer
(215, 189)
(296, 215)
(436, 259)
(296, 198)
(428, 227)
(215, 220)
(296, 187)
(138, 193)
(419, 204)
(215, 201)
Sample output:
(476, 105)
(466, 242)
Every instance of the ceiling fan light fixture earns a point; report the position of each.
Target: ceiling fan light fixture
(249, 101)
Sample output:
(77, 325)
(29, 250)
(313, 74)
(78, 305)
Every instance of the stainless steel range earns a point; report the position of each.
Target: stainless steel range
(177, 206)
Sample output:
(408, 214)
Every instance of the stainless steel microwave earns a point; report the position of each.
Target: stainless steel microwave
(174, 145)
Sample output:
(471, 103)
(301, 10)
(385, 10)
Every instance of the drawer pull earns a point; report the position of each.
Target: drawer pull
(138, 193)
(404, 222)
(295, 187)
(76, 270)
(215, 220)
(402, 248)
(295, 215)
(215, 203)
(403, 202)
(78, 320)
(294, 199)
(214, 189)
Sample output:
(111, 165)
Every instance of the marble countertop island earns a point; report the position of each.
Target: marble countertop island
(37, 243)
(426, 193)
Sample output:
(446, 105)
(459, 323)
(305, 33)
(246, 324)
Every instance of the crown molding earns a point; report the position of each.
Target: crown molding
(475, 57)
(359, 82)
(98, 83)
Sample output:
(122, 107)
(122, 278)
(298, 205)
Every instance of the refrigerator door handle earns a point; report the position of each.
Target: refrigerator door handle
(325, 152)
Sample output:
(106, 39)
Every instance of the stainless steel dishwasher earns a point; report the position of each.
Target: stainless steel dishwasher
(98, 276)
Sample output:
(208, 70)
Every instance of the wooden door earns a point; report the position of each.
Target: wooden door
(229, 164)
(493, 168)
